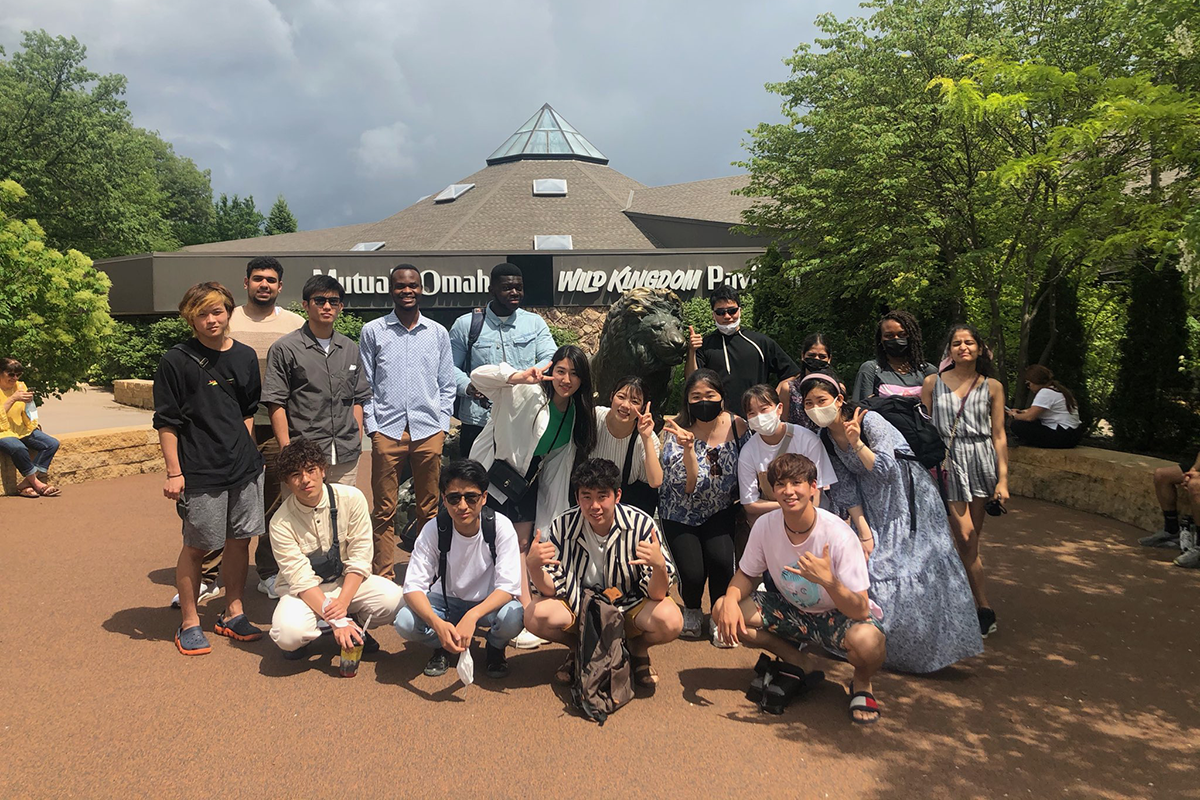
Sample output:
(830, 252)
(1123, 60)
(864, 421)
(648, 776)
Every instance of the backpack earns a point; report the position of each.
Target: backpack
(445, 527)
(472, 337)
(602, 668)
(906, 416)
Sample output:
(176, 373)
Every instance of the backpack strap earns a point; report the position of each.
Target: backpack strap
(445, 528)
(487, 521)
(202, 362)
(627, 470)
(473, 336)
(333, 518)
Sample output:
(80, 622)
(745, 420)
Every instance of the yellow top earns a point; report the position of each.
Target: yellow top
(16, 422)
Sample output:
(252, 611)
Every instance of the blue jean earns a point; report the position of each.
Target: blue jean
(46, 447)
(502, 624)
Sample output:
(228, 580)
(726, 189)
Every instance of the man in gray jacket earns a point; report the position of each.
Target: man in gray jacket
(314, 386)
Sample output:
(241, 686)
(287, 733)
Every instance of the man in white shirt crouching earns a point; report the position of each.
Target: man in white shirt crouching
(464, 574)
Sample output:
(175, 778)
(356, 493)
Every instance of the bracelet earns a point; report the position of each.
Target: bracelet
(861, 445)
(169, 475)
(868, 539)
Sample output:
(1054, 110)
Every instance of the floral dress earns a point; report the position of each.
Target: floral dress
(716, 484)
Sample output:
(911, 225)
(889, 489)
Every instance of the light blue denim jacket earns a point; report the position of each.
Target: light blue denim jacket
(521, 342)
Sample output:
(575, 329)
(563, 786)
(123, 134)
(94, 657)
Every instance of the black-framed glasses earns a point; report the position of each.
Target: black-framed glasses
(714, 462)
(727, 311)
(323, 301)
(454, 498)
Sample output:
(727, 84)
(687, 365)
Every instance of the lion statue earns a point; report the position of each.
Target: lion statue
(643, 335)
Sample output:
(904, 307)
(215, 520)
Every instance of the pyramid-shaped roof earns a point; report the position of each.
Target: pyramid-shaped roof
(546, 136)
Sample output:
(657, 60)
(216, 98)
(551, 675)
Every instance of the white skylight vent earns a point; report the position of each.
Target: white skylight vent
(550, 187)
(368, 246)
(554, 241)
(453, 192)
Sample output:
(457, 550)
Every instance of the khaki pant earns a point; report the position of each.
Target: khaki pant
(294, 624)
(388, 457)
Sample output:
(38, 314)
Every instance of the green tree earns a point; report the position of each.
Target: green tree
(65, 136)
(281, 219)
(54, 309)
(187, 205)
(236, 218)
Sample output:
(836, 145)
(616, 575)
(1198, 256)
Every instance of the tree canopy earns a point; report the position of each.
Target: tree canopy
(281, 219)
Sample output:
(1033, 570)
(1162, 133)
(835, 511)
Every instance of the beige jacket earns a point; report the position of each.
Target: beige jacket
(297, 531)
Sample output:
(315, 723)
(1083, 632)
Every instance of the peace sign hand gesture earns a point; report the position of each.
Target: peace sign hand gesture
(818, 570)
(533, 375)
(685, 437)
(853, 426)
(645, 423)
(649, 552)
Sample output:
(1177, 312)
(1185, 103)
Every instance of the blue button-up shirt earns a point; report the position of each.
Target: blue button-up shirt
(411, 376)
(521, 341)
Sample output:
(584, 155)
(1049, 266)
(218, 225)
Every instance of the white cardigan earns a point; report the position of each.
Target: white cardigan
(520, 415)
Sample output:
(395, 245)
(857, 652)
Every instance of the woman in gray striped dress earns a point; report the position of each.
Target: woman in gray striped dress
(968, 411)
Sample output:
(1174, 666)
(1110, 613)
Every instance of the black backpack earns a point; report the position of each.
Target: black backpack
(906, 416)
(445, 526)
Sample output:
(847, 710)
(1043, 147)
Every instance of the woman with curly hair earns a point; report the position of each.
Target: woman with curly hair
(899, 366)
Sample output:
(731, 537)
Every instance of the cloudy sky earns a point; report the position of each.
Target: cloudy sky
(354, 109)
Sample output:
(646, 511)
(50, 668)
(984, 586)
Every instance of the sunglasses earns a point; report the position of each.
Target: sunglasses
(325, 301)
(454, 498)
(714, 466)
(726, 312)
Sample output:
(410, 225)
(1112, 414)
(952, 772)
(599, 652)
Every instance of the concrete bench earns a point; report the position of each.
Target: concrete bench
(94, 455)
(1108, 482)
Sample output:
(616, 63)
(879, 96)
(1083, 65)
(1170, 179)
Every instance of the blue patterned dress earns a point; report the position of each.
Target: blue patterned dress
(917, 577)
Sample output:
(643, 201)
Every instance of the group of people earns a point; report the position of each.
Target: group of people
(803, 512)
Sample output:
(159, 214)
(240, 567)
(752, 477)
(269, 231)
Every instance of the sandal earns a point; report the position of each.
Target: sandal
(50, 491)
(565, 675)
(644, 675)
(29, 492)
(863, 701)
(237, 628)
(192, 641)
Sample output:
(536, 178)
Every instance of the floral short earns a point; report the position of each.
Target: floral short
(827, 629)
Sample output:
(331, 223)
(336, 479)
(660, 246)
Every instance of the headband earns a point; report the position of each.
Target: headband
(821, 376)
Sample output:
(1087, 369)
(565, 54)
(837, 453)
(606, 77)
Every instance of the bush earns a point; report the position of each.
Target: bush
(133, 348)
(563, 336)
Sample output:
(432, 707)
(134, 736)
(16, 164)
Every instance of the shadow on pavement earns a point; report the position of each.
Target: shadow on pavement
(150, 623)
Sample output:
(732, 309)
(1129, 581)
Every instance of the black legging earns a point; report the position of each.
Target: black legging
(703, 552)
(1035, 434)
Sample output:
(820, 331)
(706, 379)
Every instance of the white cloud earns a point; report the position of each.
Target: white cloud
(384, 152)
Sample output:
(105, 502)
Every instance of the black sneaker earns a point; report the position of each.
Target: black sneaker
(497, 662)
(987, 621)
(439, 662)
(369, 644)
(296, 655)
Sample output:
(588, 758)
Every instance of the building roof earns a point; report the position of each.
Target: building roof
(546, 135)
(498, 208)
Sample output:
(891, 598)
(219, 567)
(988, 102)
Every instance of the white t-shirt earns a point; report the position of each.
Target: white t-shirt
(769, 550)
(325, 343)
(757, 455)
(614, 449)
(470, 574)
(1056, 414)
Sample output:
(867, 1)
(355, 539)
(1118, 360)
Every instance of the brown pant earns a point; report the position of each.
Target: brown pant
(388, 457)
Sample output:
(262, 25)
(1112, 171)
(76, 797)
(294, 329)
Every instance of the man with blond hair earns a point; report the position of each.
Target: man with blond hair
(206, 391)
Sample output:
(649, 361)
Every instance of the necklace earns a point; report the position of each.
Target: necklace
(804, 532)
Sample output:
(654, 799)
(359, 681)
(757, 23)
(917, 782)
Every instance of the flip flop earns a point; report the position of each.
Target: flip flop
(50, 491)
(29, 492)
(644, 675)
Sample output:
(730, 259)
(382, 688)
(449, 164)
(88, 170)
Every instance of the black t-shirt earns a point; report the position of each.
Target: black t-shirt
(744, 359)
(216, 451)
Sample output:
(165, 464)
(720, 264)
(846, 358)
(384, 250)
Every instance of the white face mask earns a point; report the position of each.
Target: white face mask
(729, 329)
(765, 423)
(823, 416)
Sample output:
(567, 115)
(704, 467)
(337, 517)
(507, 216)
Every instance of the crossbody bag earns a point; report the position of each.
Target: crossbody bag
(505, 477)
(327, 564)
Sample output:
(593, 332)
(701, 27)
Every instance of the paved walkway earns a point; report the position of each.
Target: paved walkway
(1088, 690)
(86, 409)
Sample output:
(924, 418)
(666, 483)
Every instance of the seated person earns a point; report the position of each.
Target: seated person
(323, 574)
(1165, 481)
(481, 584)
(815, 560)
(1191, 549)
(600, 544)
(1052, 419)
(20, 433)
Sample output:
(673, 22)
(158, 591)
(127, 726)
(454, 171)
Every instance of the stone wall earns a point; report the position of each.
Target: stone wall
(94, 455)
(136, 393)
(588, 322)
(1106, 482)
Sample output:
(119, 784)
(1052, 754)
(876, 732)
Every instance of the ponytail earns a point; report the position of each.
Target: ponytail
(1042, 376)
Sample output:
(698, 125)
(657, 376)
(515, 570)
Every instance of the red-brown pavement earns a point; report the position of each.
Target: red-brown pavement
(1087, 690)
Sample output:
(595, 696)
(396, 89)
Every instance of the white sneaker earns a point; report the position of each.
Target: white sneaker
(716, 639)
(206, 593)
(267, 587)
(1187, 538)
(693, 623)
(527, 641)
(1160, 538)
(1189, 559)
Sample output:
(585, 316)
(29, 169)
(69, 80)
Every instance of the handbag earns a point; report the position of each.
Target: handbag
(327, 564)
(638, 493)
(506, 478)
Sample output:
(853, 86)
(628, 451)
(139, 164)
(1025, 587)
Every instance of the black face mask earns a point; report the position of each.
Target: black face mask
(815, 365)
(705, 410)
(896, 347)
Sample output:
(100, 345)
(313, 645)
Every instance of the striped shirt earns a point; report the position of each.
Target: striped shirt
(411, 375)
(630, 526)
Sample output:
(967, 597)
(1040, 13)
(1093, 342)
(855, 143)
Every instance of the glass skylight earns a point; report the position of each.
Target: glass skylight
(555, 241)
(546, 135)
(368, 246)
(550, 187)
(453, 192)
